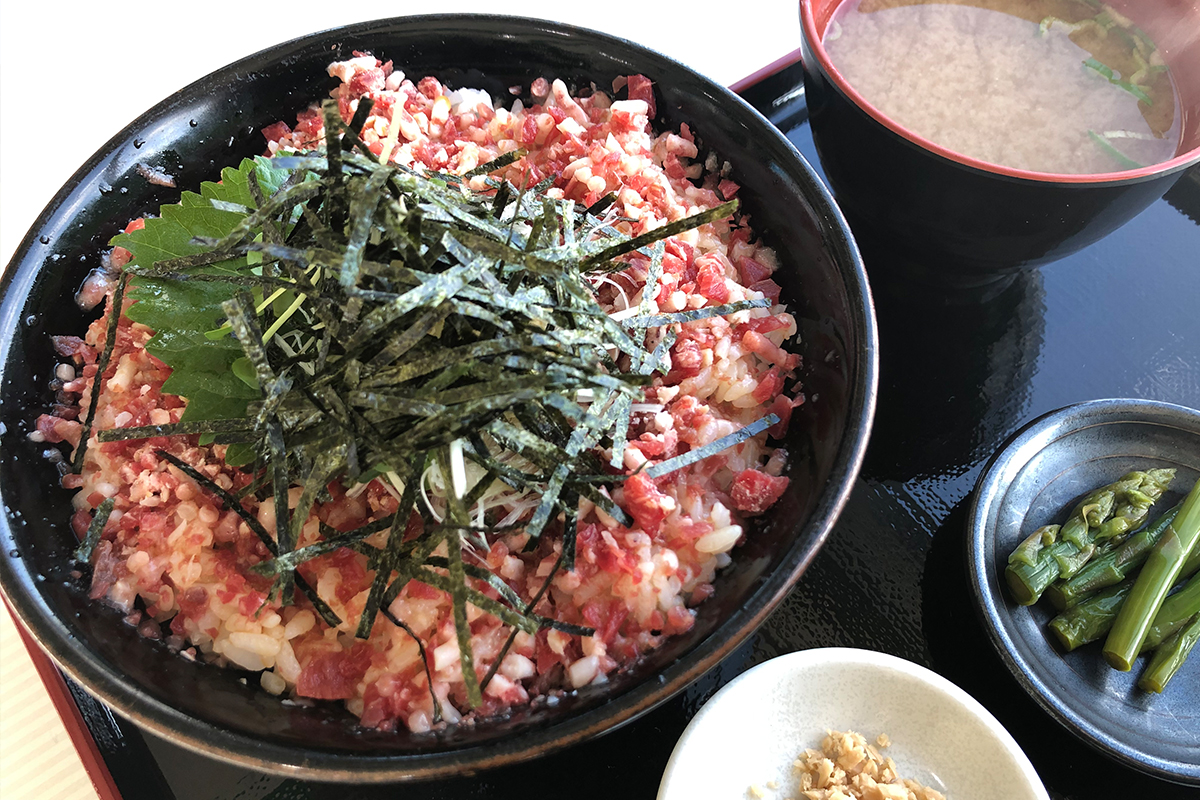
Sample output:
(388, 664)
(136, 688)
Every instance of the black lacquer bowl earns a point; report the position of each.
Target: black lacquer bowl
(217, 121)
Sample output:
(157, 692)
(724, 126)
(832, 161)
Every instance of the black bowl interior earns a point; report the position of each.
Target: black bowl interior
(217, 121)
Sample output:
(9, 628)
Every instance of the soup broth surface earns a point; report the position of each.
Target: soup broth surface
(1060, 86)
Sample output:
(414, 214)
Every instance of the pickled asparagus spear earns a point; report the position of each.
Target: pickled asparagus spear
(1133, 505)
(1130, 496)
(1176, 612)
(1169, 657)
(1110, 569)
(1092, 619)
(1027, 551)
(1158, 575)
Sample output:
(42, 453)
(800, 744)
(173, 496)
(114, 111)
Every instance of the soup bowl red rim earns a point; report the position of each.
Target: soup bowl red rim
(816, 45)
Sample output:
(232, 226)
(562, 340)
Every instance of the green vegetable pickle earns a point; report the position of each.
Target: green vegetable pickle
(1177, 610)
(1170, 657)
(1159, 574)
(1111, 568)
(1077, 540)
(1092, 619)
(1027, 551)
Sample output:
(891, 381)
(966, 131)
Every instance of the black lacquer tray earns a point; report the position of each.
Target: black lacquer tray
(960, 372)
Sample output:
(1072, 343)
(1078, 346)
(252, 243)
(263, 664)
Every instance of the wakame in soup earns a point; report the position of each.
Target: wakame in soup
(1057, 86)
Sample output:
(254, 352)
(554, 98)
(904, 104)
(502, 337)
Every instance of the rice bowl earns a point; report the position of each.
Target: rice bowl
(179, 563)
(582, 712)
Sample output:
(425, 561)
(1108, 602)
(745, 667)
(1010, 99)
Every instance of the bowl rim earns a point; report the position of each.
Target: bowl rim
(816, 45)
(988, 496)
(293, 761)
(836, 658)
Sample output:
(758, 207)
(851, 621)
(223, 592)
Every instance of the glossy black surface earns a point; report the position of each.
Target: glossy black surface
(959, 373)
(215, 122)
(953, 222)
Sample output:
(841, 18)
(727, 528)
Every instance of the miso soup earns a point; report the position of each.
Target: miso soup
(1062, 86)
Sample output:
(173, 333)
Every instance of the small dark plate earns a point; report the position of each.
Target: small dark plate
(1034, 480)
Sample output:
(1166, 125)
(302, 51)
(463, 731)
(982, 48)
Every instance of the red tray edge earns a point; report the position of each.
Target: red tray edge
(81, 737)
(778, 65)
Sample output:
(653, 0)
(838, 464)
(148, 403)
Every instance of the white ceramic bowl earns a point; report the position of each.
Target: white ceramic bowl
(752, 730)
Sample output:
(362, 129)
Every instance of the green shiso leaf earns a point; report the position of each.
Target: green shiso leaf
(181, 312)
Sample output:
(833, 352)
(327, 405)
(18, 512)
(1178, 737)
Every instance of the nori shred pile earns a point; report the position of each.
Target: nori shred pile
(389, 320)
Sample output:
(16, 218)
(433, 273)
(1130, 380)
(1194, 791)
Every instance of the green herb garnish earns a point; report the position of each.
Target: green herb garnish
(1104, 144)
(1106, 72)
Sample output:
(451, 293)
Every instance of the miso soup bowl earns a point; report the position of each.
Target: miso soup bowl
(962, 220)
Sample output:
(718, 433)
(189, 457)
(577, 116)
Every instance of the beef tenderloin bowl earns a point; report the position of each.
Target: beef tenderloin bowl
(540, 298)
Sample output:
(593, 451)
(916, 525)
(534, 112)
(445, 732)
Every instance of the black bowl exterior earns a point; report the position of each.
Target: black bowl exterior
(949, 219)
(215, 122)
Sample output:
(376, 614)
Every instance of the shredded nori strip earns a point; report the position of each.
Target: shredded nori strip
(171, 266)
(232, 502)
(499, 162)
(712, 448)
(670, 229)
(456, 584)
(110, 343)
(175, 429)
(437, 706)
(387, 560)
(95, 529)
(658, 320)
(288, 561)
(530, 606)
